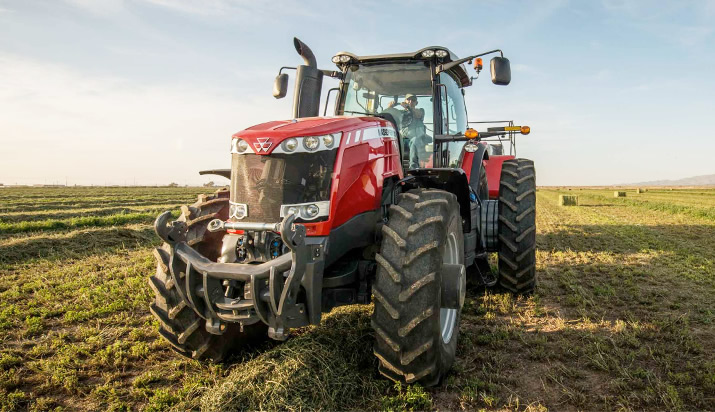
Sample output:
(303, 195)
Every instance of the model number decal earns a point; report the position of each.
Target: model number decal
(378, 133)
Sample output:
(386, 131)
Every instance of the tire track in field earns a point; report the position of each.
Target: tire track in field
(71, 205)
(75, 244)
(17, 217)
(614, 251)
(79, 222)
(697, 212)
(662, 229)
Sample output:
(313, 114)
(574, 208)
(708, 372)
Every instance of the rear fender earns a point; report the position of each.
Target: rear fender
(494, 165)
(447, 179)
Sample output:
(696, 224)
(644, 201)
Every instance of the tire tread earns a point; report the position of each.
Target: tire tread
(517, 226)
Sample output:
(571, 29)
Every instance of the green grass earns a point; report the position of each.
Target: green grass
(623, 317)
(78, 222)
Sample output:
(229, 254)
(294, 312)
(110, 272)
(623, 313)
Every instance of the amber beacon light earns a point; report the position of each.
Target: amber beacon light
(471, 134)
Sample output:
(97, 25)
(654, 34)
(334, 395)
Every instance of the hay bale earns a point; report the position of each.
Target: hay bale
(641, 190)
(619, 194)
(568, 200)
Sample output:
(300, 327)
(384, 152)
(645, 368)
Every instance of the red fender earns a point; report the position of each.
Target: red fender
(494, 164)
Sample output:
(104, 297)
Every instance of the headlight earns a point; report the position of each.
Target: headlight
(328, 140)
(336, 59)
(470, 147)
(344, 58)
(441, 53)
(241, 146)
(427, 54)
(311, 211)
(311, 143)
(290, 144)
(307, 211)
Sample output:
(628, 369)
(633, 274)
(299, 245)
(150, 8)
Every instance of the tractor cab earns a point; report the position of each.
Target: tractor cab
(408, 90)
(421, 93)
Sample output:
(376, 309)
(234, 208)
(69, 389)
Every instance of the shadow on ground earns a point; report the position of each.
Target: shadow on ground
(614, 323)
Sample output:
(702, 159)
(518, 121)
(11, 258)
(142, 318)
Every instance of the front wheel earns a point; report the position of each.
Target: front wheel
(419, 288)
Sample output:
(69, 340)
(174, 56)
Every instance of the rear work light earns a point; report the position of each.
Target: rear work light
(520, 129)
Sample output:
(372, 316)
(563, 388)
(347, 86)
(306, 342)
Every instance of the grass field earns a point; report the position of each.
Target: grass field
(623, 317)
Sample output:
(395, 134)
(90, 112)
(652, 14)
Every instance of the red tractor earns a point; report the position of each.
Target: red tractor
(392, 200)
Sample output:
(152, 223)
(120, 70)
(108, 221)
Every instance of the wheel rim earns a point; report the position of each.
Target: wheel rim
(447, 316)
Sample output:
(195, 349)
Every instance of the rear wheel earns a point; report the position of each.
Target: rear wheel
(517, 226)
(180, 325)
(420, 271)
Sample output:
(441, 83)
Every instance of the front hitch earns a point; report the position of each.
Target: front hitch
(274, 285)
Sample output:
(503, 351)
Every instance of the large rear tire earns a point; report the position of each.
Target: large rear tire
(180, 325)
(415, 336)
(517, 226)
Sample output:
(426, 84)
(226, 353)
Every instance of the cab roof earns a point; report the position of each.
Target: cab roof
(459, 71)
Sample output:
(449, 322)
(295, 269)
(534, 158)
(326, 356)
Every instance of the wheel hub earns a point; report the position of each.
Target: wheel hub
(454, 281)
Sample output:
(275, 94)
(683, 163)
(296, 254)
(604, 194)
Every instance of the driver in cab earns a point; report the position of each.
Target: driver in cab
(417, 115)
(415, 133)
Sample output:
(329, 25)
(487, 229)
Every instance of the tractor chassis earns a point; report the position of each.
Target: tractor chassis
(270, 289)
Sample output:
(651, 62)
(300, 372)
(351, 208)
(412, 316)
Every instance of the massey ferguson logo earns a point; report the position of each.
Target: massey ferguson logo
(262, 144)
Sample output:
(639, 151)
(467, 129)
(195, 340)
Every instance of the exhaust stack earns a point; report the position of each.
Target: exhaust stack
(308, 83)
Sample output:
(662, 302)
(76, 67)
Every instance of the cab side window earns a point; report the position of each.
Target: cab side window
(454, 115)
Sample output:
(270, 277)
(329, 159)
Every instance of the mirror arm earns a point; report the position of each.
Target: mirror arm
(444, 67)
(333, 73)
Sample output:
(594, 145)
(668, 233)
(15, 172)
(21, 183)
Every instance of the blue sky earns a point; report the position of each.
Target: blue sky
(150, 91)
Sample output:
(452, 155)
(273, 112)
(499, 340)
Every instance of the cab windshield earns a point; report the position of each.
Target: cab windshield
(402, 90)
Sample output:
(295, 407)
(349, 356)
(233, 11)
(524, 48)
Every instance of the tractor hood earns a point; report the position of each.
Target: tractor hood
(265, 137)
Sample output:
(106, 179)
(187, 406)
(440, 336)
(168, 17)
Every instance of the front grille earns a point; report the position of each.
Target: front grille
(264, 183)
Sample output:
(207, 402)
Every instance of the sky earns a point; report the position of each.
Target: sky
(150, 91)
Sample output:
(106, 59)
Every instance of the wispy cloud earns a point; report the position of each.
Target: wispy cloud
(71, 122)
(236, 8)
(662, 20)
(523, 68)
(603, 75)
(100, 7)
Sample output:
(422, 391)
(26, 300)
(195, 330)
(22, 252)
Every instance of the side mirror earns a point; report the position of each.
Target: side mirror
(280, 86)
(501, 71)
